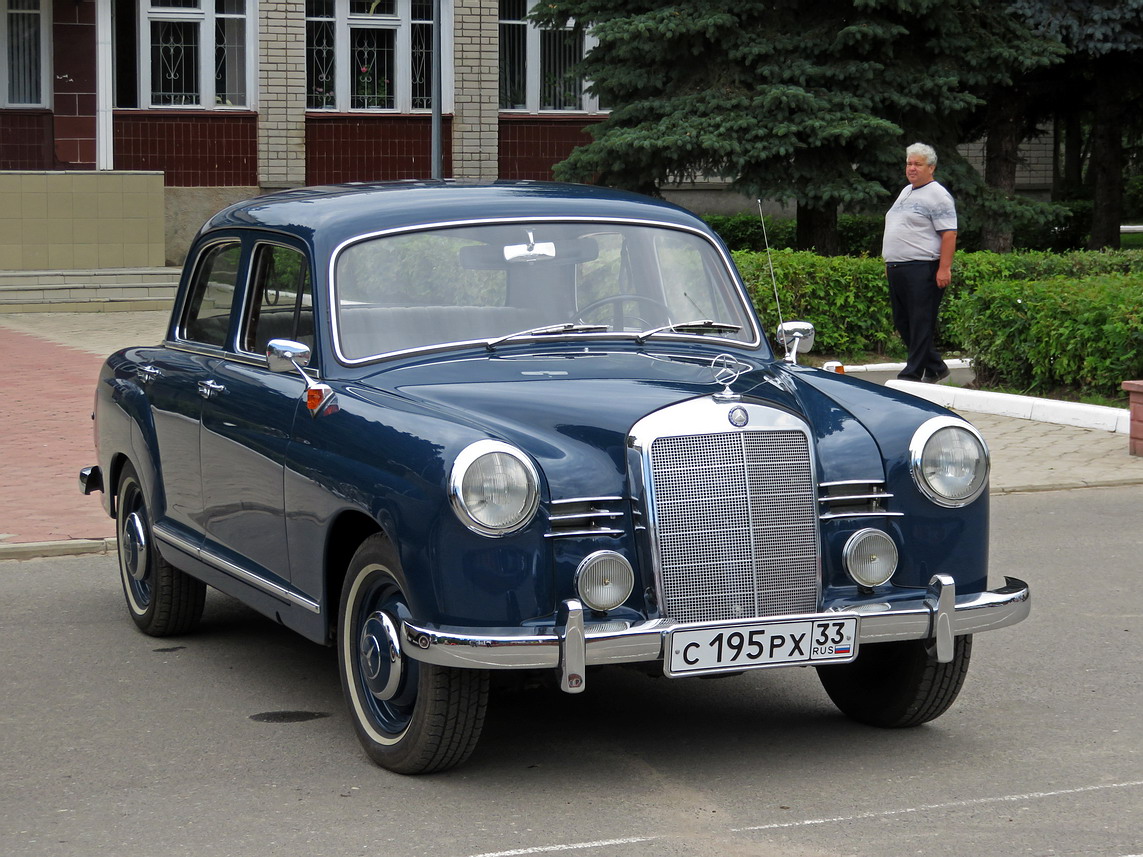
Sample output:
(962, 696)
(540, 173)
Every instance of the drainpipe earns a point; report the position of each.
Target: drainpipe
(104, 99)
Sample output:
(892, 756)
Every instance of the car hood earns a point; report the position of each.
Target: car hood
(573, 413)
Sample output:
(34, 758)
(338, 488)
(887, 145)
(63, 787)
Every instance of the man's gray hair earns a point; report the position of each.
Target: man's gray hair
(923, 150)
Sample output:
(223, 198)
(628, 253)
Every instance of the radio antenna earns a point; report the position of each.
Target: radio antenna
(770, 262)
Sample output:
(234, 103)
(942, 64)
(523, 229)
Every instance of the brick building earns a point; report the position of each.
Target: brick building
(124, 123)
(119, 106)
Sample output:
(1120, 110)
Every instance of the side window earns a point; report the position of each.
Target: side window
(281, 300)
(207, 317)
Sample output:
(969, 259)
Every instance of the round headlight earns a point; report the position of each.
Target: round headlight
(949, 461)
(870, 557)
(604, 580)
(493, 488)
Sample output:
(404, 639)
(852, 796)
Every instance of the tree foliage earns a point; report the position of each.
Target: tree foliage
(1096, 93)
(789, 100)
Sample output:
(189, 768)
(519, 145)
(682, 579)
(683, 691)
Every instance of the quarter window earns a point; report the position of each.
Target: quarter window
(369, 55)
(22, 44)
(537, 65)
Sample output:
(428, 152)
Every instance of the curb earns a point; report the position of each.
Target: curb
(834, 366)
(1117, 420)
(65, 547)
(1065, 486)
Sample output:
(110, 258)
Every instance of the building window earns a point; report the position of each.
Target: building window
(182, 53)
(536, 65)
(369, 55)
(23, 37)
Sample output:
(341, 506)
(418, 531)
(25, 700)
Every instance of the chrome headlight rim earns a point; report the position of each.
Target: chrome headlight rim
(858, 541)
(588, 564)
(919, 443)
(464, 462)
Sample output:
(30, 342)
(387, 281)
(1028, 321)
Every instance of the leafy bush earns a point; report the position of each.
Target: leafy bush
(1031, 321)
(846, 298)
(1038, 335)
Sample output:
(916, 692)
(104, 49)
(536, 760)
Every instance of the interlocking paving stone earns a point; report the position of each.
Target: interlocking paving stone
(52, 362)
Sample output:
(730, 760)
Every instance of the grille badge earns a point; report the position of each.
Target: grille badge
(738, 416)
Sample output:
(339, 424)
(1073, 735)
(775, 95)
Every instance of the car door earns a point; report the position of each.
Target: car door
(176, 380)
(248, 417)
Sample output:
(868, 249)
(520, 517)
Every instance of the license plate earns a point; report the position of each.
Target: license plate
(781, 642)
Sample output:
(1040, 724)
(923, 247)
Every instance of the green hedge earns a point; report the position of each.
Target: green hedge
(1031, 321)
(846, 298)
(1039, 335)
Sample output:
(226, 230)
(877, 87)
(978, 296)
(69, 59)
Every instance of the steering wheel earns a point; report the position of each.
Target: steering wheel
(618, 316)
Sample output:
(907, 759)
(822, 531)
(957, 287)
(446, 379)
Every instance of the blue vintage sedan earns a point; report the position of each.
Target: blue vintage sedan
(533, 428)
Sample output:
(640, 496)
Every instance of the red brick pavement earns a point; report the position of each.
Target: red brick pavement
(45, 438)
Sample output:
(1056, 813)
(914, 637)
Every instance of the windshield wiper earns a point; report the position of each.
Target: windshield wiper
(702, 325)
(549, 330)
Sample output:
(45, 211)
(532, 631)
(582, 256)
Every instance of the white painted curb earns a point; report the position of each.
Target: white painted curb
(890, 367)
(1024, 407)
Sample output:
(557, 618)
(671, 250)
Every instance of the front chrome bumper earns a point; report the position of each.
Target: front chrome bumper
(571, 645)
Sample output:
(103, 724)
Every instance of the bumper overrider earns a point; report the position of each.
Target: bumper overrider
(572, 645)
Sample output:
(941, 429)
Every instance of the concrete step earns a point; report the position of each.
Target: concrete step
(102, 290)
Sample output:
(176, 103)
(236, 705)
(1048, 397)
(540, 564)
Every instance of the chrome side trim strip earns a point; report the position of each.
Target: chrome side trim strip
(571, 501)
(829, 516)
(291, 596)
(579, 516)
(586, 531)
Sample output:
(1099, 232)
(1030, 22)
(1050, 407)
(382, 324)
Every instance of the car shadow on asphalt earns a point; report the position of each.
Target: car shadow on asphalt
(776, 718)
(773, 718)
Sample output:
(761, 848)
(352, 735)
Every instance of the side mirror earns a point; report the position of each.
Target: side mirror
(795, 337)
(285, 354)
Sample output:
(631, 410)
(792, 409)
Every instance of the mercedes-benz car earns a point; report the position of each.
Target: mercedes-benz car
(538, 430)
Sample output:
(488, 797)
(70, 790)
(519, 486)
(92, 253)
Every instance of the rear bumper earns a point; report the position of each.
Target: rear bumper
(571, 645)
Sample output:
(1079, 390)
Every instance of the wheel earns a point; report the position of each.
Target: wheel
(895, 685)
(162, 600)
(411, 717)
(619, 317)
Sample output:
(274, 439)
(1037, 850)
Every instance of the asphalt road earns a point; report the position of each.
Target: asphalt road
(116, 743)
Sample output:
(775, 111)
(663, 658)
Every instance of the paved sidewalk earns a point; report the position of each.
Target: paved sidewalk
(53, 360)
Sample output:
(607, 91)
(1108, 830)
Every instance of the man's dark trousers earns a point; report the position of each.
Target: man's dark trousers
(915, 299)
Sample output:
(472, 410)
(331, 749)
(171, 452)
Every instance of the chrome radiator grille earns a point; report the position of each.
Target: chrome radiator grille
(736, 526)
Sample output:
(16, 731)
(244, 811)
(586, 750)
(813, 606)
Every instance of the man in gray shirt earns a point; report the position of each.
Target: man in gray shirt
(918, 247)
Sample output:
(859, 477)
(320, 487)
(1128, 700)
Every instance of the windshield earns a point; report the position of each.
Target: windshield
(485, 283)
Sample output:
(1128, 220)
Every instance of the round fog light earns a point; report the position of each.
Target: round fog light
(604, 580)
(870, 557)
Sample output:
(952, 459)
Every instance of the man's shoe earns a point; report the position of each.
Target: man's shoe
(935, 379)
(904, 377)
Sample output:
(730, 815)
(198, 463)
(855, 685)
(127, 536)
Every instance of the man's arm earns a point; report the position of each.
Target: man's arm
(944, 267)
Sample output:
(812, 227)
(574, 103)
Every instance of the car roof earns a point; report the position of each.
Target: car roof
(341, 212)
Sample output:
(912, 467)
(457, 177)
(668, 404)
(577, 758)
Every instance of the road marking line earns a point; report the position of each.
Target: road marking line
(956, 804)
(571, 846)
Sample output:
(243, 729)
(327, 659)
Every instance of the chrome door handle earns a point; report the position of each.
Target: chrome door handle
(210, 389)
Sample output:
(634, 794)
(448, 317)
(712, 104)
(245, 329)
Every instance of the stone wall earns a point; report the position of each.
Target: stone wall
(81, 219)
